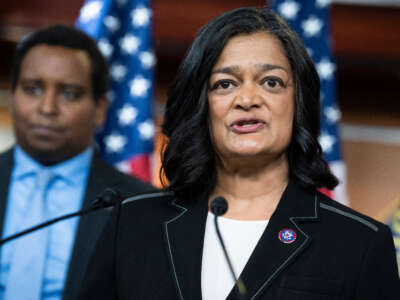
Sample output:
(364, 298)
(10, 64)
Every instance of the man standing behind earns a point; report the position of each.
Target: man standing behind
(59, 83)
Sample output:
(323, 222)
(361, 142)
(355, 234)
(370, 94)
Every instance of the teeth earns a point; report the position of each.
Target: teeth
(248, 123)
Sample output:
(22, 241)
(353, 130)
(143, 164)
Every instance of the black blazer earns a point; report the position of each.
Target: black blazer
(153, 250)
(90, 226)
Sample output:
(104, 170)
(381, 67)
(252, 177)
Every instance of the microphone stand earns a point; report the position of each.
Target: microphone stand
(109, 197)
(239, 282)
(218, 207)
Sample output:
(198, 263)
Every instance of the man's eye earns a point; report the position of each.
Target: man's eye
(71, 94)
(33, 90)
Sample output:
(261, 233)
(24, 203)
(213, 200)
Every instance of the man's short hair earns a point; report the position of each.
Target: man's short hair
(68, 37)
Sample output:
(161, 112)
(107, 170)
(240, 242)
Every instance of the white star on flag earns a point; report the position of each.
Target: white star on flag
(129, 43)
(323, 3)
(115, 142)
(312, 26)
(105, 47)
(289, 9)
(325, 68)
(112, 23)
(332, 114)
(326, 141)
(127, 115)
(147, 59)
(90, 11)
(146, 129)
(118, 71)
(139, 86)
(141, 16)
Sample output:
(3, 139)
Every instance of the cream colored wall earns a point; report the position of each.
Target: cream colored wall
(6, 135)
(373, 177)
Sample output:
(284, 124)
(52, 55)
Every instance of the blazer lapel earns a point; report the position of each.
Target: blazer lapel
(184, 235)
(6, 163)
(89, 228)
(271, 255)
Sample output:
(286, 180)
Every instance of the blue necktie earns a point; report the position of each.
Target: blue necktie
(28, 261)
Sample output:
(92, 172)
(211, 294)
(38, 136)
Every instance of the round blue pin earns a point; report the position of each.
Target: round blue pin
(287, 236)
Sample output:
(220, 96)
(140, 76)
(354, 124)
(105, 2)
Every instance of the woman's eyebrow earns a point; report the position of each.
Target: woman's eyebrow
(227, 70)
(235, 69)
(269, 67)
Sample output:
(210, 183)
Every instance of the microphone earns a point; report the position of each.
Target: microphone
(218, 207)
(109, 197)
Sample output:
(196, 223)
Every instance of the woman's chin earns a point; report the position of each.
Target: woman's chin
(247, 155)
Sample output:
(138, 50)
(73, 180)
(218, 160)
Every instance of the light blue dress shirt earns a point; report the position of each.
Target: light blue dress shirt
(64, 196)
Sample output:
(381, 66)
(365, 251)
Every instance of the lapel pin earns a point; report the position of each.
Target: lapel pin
(287, 236)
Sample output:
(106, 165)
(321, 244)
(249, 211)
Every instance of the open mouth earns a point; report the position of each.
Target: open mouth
(247, 125)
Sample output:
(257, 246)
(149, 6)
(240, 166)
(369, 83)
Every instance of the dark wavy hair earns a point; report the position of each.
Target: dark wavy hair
(189, 158)
(68, 37)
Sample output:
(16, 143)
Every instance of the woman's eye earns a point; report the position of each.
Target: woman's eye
(273, 82)
(223, 85)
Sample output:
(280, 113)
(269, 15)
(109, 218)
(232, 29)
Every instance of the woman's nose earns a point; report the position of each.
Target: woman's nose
(248, 96)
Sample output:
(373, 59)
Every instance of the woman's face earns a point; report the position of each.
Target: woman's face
(251, 98)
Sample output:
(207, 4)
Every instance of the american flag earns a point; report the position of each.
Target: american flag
(122, 29)
(311, 20)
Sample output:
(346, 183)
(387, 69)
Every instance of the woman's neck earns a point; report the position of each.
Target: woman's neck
(253, 193)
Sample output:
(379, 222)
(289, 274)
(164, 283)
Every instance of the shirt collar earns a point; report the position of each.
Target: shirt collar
(24, 165)
(72, 170)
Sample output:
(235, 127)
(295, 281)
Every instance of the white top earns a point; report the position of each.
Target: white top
(240, 238)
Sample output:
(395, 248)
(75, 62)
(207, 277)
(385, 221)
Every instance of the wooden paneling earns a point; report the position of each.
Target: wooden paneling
(38, 13)
(180, 20)
(369, 31)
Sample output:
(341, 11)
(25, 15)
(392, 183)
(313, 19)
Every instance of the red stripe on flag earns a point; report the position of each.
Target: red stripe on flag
(140, 166)
(326, 192)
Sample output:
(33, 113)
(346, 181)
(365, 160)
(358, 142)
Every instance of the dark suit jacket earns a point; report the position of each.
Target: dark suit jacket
(153, 250)
(90, 226)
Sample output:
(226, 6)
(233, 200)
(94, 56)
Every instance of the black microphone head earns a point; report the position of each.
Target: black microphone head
(219, 206)
(109, 197)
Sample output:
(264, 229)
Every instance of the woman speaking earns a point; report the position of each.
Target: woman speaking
(242, 121)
